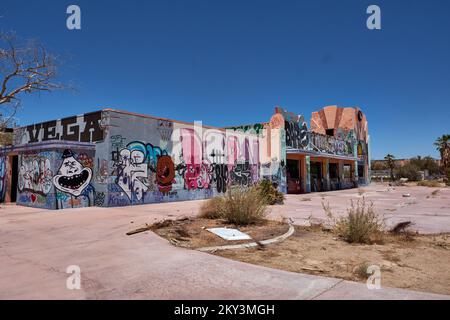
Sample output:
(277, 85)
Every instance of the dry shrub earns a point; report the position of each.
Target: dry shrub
(270, 193)
(361, 271)
(240, 206)
(361, 225)
(243, 206)
(429, 183)
(211, 208)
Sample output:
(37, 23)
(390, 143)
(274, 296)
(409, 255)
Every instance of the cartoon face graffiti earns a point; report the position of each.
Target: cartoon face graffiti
(72, 177)
(165, 174)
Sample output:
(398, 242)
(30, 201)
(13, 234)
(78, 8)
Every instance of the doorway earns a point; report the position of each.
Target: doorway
(14, 177)
(334, 176)
(361, 178)
(293, 176)
(316, 176)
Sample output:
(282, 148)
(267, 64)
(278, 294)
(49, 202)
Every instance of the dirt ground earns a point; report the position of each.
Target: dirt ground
(192, 233)
(421, 263)
(408, 260)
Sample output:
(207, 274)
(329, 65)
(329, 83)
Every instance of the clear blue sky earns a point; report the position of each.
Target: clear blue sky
(230, 62)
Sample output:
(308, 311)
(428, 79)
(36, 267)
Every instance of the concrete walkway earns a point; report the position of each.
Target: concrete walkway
(429, 212)
(37, 246)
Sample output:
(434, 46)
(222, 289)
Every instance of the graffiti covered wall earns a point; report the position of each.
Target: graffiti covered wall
(155, 160)
(299, 137)
(55, 179)
(135, 159)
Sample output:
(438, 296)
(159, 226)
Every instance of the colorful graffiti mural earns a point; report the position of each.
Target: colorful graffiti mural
(132, 166)
(298, 137)
(256, 128)
(143, 159)
(296, 134)
(196, 165)
(53, 179)
(296, 129)
(330, 144)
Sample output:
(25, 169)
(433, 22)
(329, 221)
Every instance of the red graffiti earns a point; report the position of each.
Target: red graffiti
(197, 176)
(165, 174)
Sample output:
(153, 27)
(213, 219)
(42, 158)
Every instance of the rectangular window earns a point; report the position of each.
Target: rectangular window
(333, 171)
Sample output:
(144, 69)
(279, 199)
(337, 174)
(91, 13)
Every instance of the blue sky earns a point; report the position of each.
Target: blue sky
(230, 62)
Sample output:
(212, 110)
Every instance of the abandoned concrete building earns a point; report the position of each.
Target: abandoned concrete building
(116, 158)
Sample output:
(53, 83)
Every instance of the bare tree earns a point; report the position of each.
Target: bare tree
(25, 67)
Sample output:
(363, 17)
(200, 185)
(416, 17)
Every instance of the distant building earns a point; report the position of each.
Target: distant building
(116, 158)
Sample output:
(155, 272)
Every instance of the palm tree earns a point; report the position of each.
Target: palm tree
(443, 146)
(391, 164)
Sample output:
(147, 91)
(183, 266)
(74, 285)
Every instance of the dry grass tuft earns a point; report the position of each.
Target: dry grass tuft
(211, 208)
(361, 225)
(240, 206)
(361, 271)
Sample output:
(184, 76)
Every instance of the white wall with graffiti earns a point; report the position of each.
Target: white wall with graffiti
(155, 160)
(55, 179)
(116, 158)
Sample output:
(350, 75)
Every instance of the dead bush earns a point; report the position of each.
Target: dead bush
(211, 208)
(243, 206)
(361, 224)
(239, 206)
(361, 271)
(270, 192)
